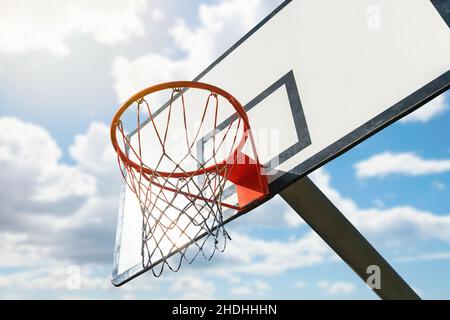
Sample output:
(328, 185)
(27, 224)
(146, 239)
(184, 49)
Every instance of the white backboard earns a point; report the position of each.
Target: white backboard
(319, 77)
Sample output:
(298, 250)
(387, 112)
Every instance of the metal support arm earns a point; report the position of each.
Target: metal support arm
(331, 225)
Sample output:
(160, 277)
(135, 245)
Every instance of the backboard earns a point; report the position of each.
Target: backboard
(316, 78)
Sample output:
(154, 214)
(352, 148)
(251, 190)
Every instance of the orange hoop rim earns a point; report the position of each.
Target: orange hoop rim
(174, 85)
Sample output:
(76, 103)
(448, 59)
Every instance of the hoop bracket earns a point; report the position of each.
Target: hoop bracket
(249, 179)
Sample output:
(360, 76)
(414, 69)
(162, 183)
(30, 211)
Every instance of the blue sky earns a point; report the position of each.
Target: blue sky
(65, 67)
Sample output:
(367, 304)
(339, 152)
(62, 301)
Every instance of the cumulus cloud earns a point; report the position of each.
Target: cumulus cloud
(337, 288)
(426, 257)
(432, 109)
(392, 226)
(158, 14)
(93, 152)
(17, 249)
(407, 163)
(31, 170)
(275, 213)
(404, 224)
(48, 25)
(253, 288)
(53, 210)
(241, 291)
(53, 278)
(259, 256)
(220, 25)
(43, 237)
(190, 287)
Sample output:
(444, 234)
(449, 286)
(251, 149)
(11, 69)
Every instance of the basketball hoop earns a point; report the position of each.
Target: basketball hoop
(181, 183)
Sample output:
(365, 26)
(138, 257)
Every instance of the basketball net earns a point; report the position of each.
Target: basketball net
(181, 192)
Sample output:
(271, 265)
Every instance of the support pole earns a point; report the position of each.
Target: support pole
(331, 225)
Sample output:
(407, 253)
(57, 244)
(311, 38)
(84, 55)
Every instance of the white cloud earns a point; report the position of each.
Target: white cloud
(265, 217)
(261, 285)
(241, 291)
(191, 287)
(323, 180)
(432, 109)
(51, 278)
(48, 25)
(253, 288)
(337, 288)
(425, 257)
(31, 169)
(158, 14)
(393, 226)
(16, 249)
(50, 209)
(410, 164)
(292, 219)
(92, 150)
(220, 25)
(398, 225)
(251, 255)
(129, 296)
